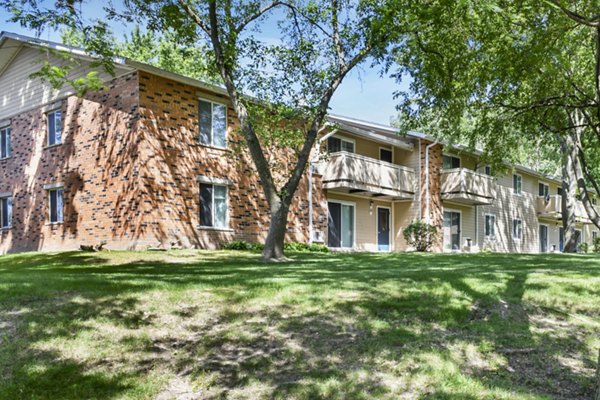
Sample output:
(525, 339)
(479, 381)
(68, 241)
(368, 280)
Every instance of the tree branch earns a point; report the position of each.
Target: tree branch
(257, 15)
(580, 19)
(336, 33)
(194, 15)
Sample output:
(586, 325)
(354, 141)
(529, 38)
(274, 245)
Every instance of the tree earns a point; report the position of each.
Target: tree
(520, 69)
(319, 44)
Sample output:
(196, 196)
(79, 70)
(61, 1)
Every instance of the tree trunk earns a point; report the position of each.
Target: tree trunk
(273, 250)
(569, 193)
(597, 395)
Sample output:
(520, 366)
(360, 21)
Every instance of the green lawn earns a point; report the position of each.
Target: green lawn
(194, 324)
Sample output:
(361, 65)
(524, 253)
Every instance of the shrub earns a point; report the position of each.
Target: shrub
(242, 245)
(597, 245)
(305, 247)
(420, 235)
(583, 247)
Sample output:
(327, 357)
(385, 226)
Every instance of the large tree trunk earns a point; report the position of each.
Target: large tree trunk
(273, 250)
(569, 193)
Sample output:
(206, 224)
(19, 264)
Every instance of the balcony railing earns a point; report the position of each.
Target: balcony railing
(551, 207)
(462, 185)
(353, 173)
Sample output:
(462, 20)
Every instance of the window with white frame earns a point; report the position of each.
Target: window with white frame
(213, 123)
(335, 144)
(490, 226)
(488, 170)
(594, 237)
(517, 230)
(5, 212)
(55, 200)
(517, 184)
(54, 127)
(543, 190)
(213, 205)
(5, 145)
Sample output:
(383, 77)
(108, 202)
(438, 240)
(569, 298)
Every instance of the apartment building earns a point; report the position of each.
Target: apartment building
(156, 160)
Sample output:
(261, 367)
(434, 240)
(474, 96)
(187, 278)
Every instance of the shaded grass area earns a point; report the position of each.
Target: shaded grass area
(195, 324)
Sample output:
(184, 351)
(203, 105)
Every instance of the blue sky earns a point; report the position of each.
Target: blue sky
(364, 94)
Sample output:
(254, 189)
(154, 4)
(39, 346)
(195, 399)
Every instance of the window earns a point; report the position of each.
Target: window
(213, 123)
(490, 226)
(543, 190)
(517, 184)
(594, 201)
(54, 128)
(213, 205)
(55, 197)
(559, 191)
(450, 162)
(594, 236)
(386, 155)
(6, 212)
(488, 170)
(517, 229)
(5, 146)
(335, 144)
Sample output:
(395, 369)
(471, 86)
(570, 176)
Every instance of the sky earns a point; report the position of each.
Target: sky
(363, 94)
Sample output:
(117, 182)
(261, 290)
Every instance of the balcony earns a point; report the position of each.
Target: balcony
(549, 207)
(464, 186)
(353, 173)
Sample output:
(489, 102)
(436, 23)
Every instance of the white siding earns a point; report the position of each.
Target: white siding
(19, 93)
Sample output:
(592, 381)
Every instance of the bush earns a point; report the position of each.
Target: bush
(583, 247)
(242, 245)
(597, 245)
(305, 247)
(299, 247)
(420, 235)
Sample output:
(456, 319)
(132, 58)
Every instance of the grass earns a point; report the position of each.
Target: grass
(194, 324)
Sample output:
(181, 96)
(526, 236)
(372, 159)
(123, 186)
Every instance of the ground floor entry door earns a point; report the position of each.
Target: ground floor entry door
(543, 238)
(340, 227)
(561, 239)
(383, 229)
(451, 230)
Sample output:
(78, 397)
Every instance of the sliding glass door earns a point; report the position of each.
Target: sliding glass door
(340, 225)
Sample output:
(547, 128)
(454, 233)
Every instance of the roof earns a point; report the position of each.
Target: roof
(371, 130)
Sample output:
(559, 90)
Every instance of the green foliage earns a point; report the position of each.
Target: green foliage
(293, 246)
(583, 247)
(306, 247)
(243, 245)
(596, 245)
(420, 235)
(166, 52)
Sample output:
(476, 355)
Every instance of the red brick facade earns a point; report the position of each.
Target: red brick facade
(129, 164)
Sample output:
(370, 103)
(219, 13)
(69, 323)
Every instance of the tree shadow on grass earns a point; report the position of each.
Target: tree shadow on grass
(399, 308)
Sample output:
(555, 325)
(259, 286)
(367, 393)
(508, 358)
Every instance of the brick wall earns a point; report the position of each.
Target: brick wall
(128, 163)
(435, 188)
(174, 158)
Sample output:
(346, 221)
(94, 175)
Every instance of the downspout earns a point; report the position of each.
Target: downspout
(427, 195)
(310, 183)
(420, 184)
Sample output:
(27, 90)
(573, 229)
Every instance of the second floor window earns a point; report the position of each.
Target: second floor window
(213, 205)
(451, 162)
(55, 198)
(5, 145)
(517, 229)
(490, 226)
(54, 128)
(6, 212)
(517, 184)
(213, 123)
(543, 190)
(487, 170)
(335, 144)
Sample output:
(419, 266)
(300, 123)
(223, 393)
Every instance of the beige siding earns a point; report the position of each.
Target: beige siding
(19, 92)
(365, 221)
